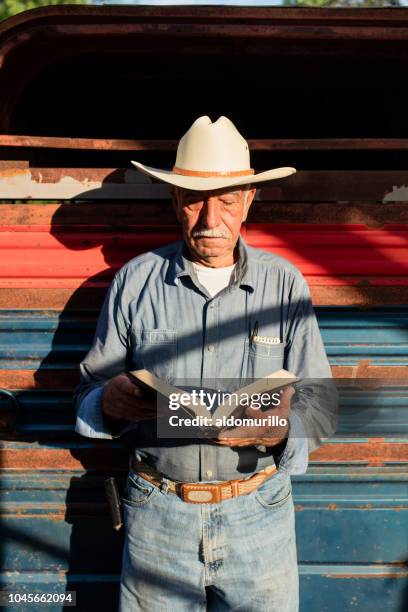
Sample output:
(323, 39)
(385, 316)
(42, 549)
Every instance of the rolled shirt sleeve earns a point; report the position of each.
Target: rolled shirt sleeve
(295, 457)
(89, 418)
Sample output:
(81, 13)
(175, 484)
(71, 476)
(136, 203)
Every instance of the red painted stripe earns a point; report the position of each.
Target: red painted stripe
(342, 256)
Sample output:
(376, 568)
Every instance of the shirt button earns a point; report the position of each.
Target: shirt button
(211, 306)
(209, 473)
(211, 347)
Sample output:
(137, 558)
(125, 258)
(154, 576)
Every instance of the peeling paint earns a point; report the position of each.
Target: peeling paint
(398, 194)
(22, 184)
(373, 576)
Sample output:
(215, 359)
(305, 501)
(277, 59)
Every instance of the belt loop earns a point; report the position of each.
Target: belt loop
(164, 486)
(234, 488)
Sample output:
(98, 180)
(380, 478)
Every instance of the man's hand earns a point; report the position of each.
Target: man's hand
(265, 435)
(123, 399)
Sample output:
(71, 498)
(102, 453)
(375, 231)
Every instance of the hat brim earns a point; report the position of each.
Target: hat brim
(198, 183)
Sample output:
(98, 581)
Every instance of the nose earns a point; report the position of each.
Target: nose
(210, 213)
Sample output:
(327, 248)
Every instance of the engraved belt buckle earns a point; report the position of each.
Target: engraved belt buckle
(200, 494)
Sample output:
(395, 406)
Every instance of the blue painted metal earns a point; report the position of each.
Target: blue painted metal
(327, 501)
(350, 588)
(350, 335)
(329, 589)
(351, 521)
(57, 523)
(346, 516)
(49, 413)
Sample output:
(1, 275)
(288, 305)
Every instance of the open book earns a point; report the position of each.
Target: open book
(194, 405)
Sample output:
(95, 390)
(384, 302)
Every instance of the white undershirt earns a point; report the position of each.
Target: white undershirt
(214, 279)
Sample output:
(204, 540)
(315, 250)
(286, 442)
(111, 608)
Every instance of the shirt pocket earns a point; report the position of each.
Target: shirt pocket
(155, 350)
(262, 358)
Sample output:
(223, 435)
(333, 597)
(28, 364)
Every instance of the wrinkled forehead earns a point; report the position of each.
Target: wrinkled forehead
(191, 194)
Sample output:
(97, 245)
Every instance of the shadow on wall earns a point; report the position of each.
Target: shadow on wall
(95, 549)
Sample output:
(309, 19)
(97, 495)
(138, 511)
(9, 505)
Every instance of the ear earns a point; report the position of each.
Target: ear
(176, 201)
(247, 204)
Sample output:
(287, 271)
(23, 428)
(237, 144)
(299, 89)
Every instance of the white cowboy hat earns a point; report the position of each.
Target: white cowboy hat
(212, 156)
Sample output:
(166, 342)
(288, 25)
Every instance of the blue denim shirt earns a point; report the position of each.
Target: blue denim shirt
(157, 316)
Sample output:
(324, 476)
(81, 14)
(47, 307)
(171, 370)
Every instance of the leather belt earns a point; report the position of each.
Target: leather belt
(203, 493)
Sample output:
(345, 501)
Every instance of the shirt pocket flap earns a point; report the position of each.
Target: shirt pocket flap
(155, 336)
(155, 350)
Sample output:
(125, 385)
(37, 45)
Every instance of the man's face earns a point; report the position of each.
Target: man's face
(211, 222)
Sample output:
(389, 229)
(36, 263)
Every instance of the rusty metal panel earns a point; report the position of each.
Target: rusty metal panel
(49, 412)
(264, 144)
(41, 509)
(39, 353)
(41, 348)
(18, 181)
(267, 208)
(342, 219)
(67, 513)
(91, 296)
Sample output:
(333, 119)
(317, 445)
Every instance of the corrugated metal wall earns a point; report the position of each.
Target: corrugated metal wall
(65, 230)
(351, 505)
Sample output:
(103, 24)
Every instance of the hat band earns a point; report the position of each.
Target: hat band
(204, 174)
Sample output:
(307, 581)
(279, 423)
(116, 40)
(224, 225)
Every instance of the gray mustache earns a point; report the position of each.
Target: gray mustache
(209, 233)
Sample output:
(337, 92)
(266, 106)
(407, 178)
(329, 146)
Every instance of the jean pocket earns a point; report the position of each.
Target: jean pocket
(155, 350)
(138, 491)
(274, 492)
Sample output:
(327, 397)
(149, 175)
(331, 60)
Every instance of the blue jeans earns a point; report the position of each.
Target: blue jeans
(239, 554)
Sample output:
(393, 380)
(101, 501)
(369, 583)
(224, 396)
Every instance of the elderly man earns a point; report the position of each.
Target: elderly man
(207, 307)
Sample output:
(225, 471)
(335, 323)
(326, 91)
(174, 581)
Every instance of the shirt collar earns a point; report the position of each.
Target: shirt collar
(180, 265)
